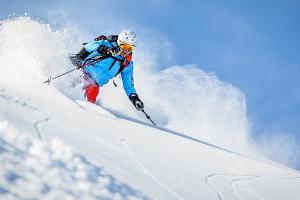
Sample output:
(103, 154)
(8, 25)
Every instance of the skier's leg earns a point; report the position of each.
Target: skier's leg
(91, 89)
(91, 92)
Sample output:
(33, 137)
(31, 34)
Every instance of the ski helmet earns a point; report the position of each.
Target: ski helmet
(128, 37)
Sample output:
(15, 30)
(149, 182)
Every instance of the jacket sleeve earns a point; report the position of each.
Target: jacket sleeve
(127, 78)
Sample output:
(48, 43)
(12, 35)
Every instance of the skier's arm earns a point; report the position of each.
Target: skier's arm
(127, 79)
(128, 84)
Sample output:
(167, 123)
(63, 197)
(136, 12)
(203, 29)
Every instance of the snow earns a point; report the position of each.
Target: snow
(55, 146)
(32, 168)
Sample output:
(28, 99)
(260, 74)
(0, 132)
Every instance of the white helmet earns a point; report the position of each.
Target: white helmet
(128, 37)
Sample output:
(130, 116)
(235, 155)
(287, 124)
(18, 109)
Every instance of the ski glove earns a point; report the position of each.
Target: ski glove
(115, 50)
(108, 50)
(138, 104)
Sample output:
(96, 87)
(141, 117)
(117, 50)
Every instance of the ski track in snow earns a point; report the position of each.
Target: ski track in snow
(212, 186)
(249, 178)
(36, 124)
(26, 104)
(148, 173)
(235, 181)
(17, 100)
(103, 115)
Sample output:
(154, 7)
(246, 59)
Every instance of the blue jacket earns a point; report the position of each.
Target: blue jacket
(101, 72)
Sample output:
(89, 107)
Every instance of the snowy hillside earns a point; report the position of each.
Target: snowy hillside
(55, 146)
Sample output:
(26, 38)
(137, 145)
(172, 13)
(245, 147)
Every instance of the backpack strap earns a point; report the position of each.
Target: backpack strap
(123, 62)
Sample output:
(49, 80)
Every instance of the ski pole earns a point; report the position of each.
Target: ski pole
(78, 67)
(50, 78)
(94, 60)
(148, 117)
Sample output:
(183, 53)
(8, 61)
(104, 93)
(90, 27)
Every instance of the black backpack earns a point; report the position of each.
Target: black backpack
(111, 38)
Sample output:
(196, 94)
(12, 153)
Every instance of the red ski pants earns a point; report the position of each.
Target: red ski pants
(91, 92)
(91, 89)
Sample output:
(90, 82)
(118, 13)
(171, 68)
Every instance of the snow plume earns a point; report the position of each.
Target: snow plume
(36, 169)
(30, 51)
(192, 101)
(280, 147)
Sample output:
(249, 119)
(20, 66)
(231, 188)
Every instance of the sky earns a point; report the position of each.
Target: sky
(254, 45)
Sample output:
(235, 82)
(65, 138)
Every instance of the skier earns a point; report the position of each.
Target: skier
(105, 58)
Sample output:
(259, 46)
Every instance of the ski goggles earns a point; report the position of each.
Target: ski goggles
(126, 47)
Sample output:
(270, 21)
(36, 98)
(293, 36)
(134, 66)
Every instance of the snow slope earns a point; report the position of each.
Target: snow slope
(54, 147)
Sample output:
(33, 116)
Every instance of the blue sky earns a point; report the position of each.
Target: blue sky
(253, 45)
